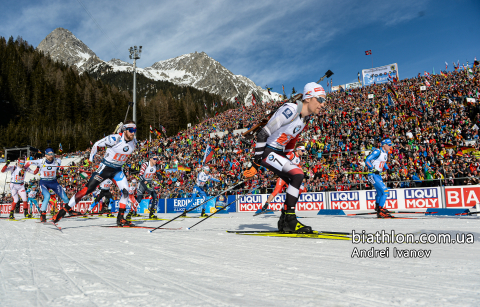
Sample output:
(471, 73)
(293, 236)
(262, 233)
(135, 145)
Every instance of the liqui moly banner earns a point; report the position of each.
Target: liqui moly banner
(425, 198)
(462, 196)
(251, 203)
(390, 204)
(306, 202)
(346, 201)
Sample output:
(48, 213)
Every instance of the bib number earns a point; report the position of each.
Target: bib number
(120, 157)
(48, 173)
(276, 161)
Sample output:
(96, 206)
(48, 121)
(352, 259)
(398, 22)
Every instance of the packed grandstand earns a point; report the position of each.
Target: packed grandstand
(433, 119)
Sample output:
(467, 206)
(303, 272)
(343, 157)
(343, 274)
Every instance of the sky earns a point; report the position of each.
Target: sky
(271, 42)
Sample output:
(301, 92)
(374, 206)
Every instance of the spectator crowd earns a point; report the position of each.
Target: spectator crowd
(435, 131)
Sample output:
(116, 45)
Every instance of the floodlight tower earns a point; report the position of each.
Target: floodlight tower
(135, 55)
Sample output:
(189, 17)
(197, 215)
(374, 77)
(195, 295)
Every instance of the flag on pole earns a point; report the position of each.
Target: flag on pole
(368, 52)
(151, 129)
(446, 65)
(205, 105)
(254, 101)
(208, 154)
(60, 148)
(358, 77)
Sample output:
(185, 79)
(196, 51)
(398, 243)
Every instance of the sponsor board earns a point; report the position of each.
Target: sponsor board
(456, 197)
(379, 74)
(345, 200)
(306, 202)
(250, 203)
(422, 198)
(178, 205)
(390, 204)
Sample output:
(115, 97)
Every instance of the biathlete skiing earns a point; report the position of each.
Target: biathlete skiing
(32, 198)
(295, 158)
(202, 179)
(17, 185)
(102, 192)
(145, 187)
(119, 147)
(48, 167)
(276, 139)
(375, 162)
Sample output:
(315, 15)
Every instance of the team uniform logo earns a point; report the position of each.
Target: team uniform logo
(126, 148)
(297, 128)
(287, 113)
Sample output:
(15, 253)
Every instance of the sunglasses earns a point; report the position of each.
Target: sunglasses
(131, 130)
(49, 154)
(320, 99)
(155, 159)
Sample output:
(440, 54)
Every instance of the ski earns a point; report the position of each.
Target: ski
(314, 235)
(273, 231)
(134, 220)
(8, 219)
(143, 227)
(395, 212)
(52, 223)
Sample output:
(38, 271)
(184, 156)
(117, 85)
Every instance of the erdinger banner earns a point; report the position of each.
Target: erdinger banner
(379, 74)
(345, 201)
(390, 204)
(306, 202)
(178, 205)
(462, 196)
(422, 198)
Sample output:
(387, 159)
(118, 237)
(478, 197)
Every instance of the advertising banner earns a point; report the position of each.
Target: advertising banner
(178, 205)
(422, 198)
(379, 74)
(462, 196)
(391, 203)
(353, 85)
(346, 201)
(306, 202)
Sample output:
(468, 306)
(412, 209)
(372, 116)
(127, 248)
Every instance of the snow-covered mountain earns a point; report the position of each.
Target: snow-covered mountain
(194, 69)
(63, 46)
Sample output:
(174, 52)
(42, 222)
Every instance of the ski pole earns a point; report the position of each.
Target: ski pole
(188, 228)
(191, 209)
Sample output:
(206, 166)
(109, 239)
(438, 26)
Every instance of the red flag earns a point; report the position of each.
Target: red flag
(368, 52)
(254, 101)
(205, 105)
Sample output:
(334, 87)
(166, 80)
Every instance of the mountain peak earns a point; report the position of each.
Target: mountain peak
(63, 46)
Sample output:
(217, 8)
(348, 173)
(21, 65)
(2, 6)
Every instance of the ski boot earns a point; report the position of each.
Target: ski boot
(12, 215)
(129, 216)
(121, 222)
(135, 214)
(291, 224)
(203, 214)
(184, 214)
(109, 213)
(27, 215)
(53, 211)
(151, 215)
(60, 214)
(43, 217)
(382, 213)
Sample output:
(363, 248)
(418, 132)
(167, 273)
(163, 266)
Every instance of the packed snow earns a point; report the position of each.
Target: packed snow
(88, 265)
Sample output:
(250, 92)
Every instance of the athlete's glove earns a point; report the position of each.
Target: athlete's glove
(377, 172)
(8, 162)
(252, 171)
(36, 171)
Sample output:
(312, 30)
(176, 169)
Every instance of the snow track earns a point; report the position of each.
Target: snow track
(87, 265)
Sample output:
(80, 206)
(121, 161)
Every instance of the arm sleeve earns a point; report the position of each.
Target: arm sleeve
(108, 141)
(374, 155)
(142, 170)
(213, 179)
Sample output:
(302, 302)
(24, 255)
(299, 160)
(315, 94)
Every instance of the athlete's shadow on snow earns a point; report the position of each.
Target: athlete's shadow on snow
(256, 227)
